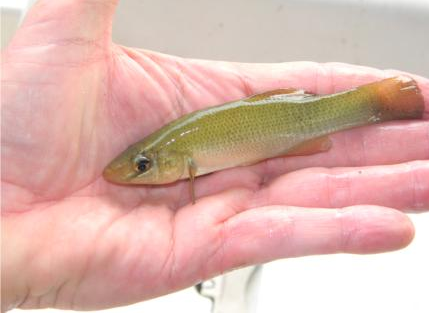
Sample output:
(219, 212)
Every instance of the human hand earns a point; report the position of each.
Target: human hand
(72, 100)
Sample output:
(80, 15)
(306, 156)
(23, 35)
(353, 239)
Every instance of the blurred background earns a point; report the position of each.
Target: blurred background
(379, 33)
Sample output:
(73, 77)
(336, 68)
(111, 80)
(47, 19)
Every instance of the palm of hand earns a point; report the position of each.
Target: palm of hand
(95, 244)
(83, 119)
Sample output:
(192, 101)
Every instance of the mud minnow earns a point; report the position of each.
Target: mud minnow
(275, 123)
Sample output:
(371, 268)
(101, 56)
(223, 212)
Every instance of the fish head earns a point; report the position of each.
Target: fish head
(140, 164)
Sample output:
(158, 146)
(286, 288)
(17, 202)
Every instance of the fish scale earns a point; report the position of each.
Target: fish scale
(271, 124)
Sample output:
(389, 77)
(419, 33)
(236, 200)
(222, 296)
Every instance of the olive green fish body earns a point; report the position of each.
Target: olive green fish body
(260, 127)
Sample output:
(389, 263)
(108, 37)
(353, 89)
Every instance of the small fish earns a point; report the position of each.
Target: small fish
(276, 123)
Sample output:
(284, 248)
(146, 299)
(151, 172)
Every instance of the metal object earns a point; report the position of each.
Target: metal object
(234, 292)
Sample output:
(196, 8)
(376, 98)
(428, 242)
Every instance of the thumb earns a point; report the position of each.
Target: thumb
(52, 22)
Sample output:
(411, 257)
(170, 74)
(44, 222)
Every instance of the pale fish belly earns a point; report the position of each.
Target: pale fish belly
(241, 154)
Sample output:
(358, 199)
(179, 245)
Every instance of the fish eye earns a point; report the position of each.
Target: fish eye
(142, 163)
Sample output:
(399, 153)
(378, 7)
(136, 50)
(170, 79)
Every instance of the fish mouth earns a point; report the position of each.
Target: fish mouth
(118, 174)
(111, 175)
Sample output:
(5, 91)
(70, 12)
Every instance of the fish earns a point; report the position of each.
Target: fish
(281, 122)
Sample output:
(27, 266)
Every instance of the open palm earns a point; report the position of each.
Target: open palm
(72, 100)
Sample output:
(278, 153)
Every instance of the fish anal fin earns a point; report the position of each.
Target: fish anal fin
(273, 94)
(312, 146)
(192, 171)
(251, 163)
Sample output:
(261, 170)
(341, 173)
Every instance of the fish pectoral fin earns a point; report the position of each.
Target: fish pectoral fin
(192, 169)
(278, 93)
(312, 146)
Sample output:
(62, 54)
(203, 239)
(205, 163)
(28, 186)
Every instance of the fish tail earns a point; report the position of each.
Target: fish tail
(398, 98)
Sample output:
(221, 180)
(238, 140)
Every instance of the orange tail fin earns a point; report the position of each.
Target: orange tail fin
(398, 98)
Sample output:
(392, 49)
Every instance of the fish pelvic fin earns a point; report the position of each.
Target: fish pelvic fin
(192, 171)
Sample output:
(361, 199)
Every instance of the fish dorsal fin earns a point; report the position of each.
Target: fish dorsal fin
(279, 94)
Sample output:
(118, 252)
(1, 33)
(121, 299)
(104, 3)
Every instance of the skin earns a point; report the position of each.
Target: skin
(72, 100)
(217, 138)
